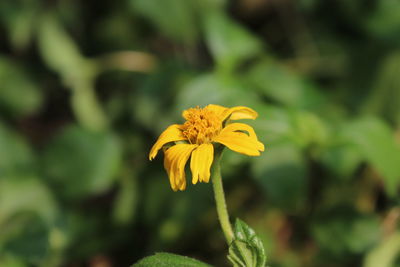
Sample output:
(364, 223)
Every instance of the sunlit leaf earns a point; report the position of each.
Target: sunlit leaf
(7, 259)
(308, 129)
(385, 254)
(26, 194)
(230, 43)
(52, 39)
(76, 71)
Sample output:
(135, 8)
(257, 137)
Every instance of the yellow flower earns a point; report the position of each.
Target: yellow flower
(203, 128)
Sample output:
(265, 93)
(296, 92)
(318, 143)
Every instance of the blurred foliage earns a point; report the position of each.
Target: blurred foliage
(87, 86)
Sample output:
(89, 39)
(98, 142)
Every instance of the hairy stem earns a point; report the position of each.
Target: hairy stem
(219, 195)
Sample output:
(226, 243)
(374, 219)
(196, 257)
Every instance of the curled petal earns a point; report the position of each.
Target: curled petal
(238, 141)
(234, 127)
(235, 113)
(200, 163)
(174, 162)
(239, 113)
(171, 134)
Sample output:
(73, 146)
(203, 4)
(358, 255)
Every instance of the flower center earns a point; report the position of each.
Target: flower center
(201, 125)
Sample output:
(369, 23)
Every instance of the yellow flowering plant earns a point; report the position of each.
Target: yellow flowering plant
(197, 137)
(202, 138)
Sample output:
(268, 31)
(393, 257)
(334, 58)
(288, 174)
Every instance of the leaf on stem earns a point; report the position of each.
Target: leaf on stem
(168, 259)
(246, 250)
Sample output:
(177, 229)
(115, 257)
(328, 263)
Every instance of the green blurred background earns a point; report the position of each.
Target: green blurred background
(86, 87)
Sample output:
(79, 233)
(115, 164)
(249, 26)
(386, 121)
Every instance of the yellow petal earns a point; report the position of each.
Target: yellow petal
(239, 113)
(234, 127)
(169, 159)
(217, 109)
(240, 142)
(175, 161)
(235, 113)
(171, 134)
(200, 163)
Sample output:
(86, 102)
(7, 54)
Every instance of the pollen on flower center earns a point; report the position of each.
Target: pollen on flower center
(201, 125)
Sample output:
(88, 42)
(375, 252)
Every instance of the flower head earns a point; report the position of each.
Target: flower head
(204, 128)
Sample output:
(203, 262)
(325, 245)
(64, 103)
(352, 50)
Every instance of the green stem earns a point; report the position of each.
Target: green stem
(219, 195)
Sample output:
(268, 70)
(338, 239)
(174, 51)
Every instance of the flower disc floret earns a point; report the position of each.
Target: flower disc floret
(201, 125)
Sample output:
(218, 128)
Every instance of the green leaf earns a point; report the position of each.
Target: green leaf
(308, 129)
(153, 95)
(27, 212)
(169, 260)
(385, 254)
(86, 107)
(126, 200)
(10, 260)
(376, 141)
(52, 39)
(384, 98)
(20, 19)
(283, 85)
(27, 237)
(342, 159)
(230, 43)
(246, 249)
(81, 162)
(76, 71)
(18, 92)
(351, 232)
(384, 21)
(181, 21)
(283, 175)
(16, 157)
(273, 125)
(25, 194)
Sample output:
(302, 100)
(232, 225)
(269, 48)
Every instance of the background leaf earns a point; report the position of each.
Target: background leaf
(385, 253)
(282, 172)
(86, 89)
(80, 162)
(181, 22)
(229, 43)
(19, 94)
(375, 140)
